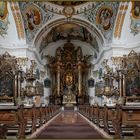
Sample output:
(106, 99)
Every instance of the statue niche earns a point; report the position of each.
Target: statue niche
(69, 70)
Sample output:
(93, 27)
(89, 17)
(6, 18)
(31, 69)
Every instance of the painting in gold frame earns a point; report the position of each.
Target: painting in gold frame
(3, 10)
(135, 9)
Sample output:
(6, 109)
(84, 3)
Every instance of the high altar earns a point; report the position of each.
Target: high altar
(69, 70)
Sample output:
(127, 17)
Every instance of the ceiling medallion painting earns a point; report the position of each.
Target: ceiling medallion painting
(34, 18)
(69, 31)
(103, 16)
(3, 18)
(135, 17)
(68, 11)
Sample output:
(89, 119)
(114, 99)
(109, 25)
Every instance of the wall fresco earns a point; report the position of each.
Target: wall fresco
(34, 18)
(135, 17)
(103, 16)
(3, 18)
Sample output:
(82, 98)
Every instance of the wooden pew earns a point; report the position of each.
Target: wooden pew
(96, 114)
(109, 113)
(11, 116)
(126, 117)
(24, 117)
(44, 113)
(30, 116)
(91, 113)
(100, 116)
(3, 131)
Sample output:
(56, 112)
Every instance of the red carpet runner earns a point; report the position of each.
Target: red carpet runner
(69, 125)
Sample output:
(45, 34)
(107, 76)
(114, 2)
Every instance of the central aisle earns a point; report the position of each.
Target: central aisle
(69, 124)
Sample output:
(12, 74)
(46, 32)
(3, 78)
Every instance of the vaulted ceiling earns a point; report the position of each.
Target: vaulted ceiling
(89, 24)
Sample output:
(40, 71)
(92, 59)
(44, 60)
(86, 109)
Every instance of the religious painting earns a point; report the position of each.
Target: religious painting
(3, 18)
(136, 9)
(99, 88)
(6, 88)
(104, 17)
(32, 16)
(91, 83)
(133, 86)
(39, 88)
(135, 18)
(3, 10)
(69, 78)
(47, 83)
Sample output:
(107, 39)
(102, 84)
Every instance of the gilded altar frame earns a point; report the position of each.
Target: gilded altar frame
(128, 71)
(135, 9)
(131, 77)
(69, 69)
(10, 79)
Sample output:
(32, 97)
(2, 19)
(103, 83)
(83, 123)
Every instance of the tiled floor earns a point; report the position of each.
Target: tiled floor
(69, 124)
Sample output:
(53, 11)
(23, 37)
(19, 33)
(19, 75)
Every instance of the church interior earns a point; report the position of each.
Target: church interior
(69, 69)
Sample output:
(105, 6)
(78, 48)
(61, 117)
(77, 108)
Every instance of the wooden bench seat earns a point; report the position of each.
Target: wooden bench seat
(126, 121)
(13, 116)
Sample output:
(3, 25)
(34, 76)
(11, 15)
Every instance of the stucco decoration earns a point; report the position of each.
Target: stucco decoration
(59, 6)
(120, 19)
(34, 18)
(3, 18)
(18, 19)
(66, 3)
(103, 16)
(68, 11)
(135, 17)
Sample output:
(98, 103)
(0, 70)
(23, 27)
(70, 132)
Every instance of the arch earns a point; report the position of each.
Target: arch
(90, 27)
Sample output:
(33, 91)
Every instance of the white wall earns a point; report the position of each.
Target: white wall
(11, 38)
(127, 38)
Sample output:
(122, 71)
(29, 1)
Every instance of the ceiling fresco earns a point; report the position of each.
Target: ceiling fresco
(103, 16)
(3, 18)
(135, 17)
(69, 32)
(37, 14)
(34, 18)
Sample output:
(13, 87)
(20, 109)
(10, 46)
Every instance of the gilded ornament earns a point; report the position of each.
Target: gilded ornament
(68, 11)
